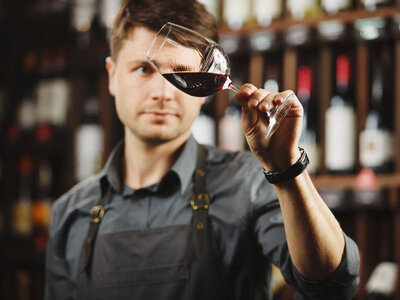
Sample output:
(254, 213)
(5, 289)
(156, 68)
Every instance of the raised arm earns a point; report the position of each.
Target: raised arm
(314, 236)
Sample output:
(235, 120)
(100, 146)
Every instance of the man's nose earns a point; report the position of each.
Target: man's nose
(162, 89)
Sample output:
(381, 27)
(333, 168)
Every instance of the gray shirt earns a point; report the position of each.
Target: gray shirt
(244, 214)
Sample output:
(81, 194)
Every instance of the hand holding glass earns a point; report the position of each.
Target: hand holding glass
(199, 66)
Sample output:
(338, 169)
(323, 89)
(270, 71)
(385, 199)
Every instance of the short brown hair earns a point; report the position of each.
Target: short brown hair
(153, 14)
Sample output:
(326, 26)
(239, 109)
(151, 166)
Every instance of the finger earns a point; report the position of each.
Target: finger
(257, 97)
(266, 103)
(249, 102)
(283, 96)
(245, 92)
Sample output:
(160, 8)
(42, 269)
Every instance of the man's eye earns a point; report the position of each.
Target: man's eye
(143, 70)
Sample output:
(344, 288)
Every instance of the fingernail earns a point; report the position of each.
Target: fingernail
(254, 102)
(246, 90)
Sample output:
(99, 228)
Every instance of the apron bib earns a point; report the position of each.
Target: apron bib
(179, 262)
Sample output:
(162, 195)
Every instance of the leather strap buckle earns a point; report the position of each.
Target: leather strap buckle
(96, 213)
(194, 201)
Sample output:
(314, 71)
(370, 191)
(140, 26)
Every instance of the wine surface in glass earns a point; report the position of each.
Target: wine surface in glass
(198, 84)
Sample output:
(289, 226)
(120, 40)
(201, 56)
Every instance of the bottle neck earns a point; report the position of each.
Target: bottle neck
(304, 84)
(343, 79)
(377, 88)
(342, 88)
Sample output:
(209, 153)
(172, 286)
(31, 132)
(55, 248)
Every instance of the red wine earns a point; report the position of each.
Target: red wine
(198, 84)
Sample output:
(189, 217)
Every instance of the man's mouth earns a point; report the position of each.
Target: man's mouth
(160, 114)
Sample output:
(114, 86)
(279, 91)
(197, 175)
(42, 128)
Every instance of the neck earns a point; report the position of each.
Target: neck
(145, 164)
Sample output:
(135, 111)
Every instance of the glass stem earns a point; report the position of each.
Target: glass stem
(234, 88)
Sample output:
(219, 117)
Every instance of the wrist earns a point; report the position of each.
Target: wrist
(290, 172)
(282, 161)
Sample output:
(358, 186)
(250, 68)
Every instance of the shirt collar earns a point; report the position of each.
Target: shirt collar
(186, 163)
(113, 167)
(183, 167)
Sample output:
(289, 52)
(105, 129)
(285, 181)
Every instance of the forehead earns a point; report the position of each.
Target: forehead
(139, 40)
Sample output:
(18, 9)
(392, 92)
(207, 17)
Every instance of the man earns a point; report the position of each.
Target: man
(169, 219)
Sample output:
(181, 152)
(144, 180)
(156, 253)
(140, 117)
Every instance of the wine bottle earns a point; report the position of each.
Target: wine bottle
(26, 112)
(366, 190)
(41, 207)
(108, 11)
(271, 78)
(21, 217)
(3, 9)
(230, 131)
(203, 128)
(52, 99)
(340, 122)
(373, 4)
(265, 14)
(308, 139)
(333, 7)
(376, 143)
(83, 13)
(30, 62)
(236, 13)
(213, 7)
(383, 281)
(2, 220)
(301, 9)
(23, 281)
(2, 104)
(88, 142)
(84, 22)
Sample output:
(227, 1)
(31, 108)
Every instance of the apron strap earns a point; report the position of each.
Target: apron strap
(96, 215)
(200, 202)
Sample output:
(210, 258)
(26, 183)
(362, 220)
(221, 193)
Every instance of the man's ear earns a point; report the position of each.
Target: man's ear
(111, 69)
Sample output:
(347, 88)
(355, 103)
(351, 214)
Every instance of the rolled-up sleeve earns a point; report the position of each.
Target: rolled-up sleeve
(269, 229)
(342, 284)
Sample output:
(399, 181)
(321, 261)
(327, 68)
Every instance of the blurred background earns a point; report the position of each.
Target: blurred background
(58, 122)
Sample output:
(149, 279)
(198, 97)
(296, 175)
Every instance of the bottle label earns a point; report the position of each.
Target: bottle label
(304, 82)
(375, 147)
(343, 70)
(340, 138)
(22, 220)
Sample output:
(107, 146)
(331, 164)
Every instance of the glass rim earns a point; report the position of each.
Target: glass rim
(170, 25)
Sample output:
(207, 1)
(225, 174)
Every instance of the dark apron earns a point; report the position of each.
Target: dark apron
(172, 262)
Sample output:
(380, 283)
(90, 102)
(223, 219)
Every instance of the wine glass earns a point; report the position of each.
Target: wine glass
(199, 66)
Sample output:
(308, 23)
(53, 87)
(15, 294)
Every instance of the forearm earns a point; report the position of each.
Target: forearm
(314, 237)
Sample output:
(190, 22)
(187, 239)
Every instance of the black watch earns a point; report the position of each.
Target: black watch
(291, 172)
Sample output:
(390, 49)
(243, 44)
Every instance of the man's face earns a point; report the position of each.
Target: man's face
(151, 108)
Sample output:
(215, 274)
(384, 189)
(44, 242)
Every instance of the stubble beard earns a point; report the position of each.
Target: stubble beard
(156, 136)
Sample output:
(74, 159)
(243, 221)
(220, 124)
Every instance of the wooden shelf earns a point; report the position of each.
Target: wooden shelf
(347, 181)
(284, 24)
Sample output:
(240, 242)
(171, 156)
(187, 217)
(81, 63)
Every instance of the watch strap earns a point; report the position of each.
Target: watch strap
(293, 171)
